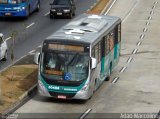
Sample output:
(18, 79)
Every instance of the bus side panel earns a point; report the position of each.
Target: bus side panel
(116, 54)
(107, 63)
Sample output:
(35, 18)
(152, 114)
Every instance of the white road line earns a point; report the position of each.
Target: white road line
(151, 12)
(123, 69)
(129, 59)
(30, 25)
(142, 36)
(145, 29)
(150, 17)
(85, 113)
(130, 12)
(46, 14)
(31, 51)
(110, 7)
(154, 7)
(139, 43)
(39, 46)
(8, 38)
(156, 2)
(115, 79)
(147, 23)
(134, 51)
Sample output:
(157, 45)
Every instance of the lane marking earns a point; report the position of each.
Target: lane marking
(147, 23)
(46, 14)
(32, 52)
(129, 59)
(30, 25)
(134, 51)
(154, 7)
(8, 38)
(139, 43)
(129, 13)
(39, 46)
(115, 80)
(145, 29)
(142, 36)
(150, 17)
(85, 113)
(156, 2)
(123, 69)
(110, 7)
(151, 12)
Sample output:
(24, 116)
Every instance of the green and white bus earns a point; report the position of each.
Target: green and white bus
(76, 59)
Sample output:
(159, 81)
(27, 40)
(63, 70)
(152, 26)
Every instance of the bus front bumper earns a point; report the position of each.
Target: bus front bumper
(13, 13)
(82, 94)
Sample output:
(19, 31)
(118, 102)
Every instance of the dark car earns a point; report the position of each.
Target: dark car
(62, 8)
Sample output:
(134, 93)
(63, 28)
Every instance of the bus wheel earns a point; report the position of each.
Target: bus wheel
(5, 56)
(95, 88)
(109, 74)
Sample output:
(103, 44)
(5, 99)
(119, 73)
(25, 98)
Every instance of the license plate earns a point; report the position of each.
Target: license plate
(59, 13)
(7, 14)
(62, 97)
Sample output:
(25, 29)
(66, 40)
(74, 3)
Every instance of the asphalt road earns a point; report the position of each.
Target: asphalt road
(134, 85)
(31, 32)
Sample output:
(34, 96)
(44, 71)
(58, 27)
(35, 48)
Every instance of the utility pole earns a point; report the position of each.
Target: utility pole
(13, 36)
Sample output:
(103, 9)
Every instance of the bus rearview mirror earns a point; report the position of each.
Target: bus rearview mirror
(37, 57)
(93, 63)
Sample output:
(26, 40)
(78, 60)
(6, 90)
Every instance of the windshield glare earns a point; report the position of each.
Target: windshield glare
(11, 1)
(64, 66)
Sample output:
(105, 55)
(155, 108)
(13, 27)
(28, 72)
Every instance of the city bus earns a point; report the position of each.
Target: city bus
(76, 59)
(18, 8)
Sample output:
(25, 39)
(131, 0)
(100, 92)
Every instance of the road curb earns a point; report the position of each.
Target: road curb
(22, 99)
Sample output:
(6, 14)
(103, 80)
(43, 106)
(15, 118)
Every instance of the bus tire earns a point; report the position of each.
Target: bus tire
(109, 74)
(5, 56)
(95, 88)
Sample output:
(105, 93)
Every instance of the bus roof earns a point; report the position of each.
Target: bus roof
(86, 28)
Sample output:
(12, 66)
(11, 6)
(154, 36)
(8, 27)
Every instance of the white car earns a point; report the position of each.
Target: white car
(3, 48)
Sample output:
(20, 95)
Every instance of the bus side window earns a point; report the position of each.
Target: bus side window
(106, 45)
(103, 47)
(111, 41)
(116, 34)
(119, 33)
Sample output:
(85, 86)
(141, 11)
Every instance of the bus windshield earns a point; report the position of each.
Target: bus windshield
(11, 1)
(65, 66)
